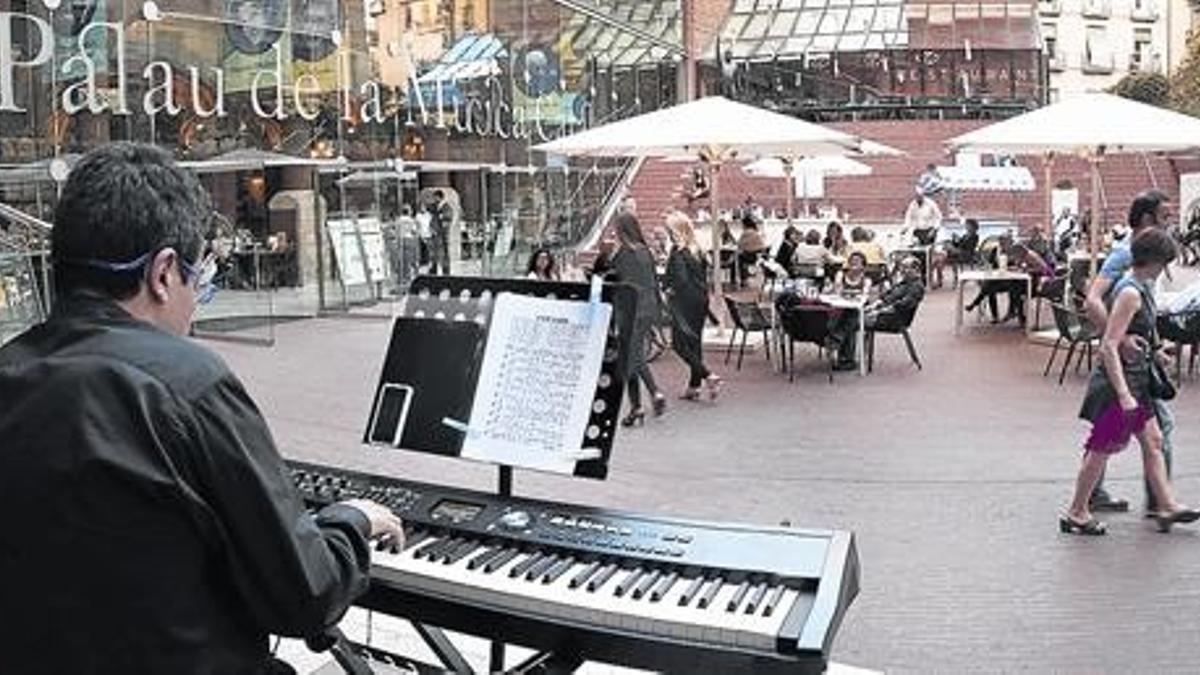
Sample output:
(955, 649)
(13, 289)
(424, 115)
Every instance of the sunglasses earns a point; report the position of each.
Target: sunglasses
(199, 276)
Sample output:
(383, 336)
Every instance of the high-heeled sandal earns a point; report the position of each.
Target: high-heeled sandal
(1092, 528)
(1183, 515)
(637, 416)
(659, 405)
(714, 386)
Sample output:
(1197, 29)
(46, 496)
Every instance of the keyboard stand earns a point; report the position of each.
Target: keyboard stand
(443, 648)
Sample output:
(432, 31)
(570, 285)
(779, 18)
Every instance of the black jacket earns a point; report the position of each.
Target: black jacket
(151, 526)
(903, 299)
(635, 266)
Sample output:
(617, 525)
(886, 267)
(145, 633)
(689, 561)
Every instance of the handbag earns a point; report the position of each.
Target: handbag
(1160, 385)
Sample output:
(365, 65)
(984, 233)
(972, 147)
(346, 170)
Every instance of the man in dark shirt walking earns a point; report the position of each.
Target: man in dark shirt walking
(442, 218)
(151, 527)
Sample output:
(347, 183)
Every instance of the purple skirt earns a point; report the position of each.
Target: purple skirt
(1113, 427)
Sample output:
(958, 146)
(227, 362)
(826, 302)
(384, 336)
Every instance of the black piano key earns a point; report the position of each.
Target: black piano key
(646, 584)
(415, 537)
(692, 590)
(602, 577)
(710, 593)
(479, 560)
(450, 547)
(461, 552)
(541, 567)
(558, 570)
(756, 598)
(500, 560)
(523, 566)
(738, 596)
(774, 601)
(428, 548)
(583, 576)
(627, 583)
(667, 582)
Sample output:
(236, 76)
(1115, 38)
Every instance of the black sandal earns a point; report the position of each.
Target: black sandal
(1092, 528)
(1184, 515)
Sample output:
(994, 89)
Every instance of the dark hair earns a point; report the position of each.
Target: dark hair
(749, 221)
(857, 254)
(1146, 202)
(789, 231)
(405, 210)
(533, 258)
(970, 222)
(858, 234)
(629, 231)
(123, 201)
(1153, 246)
(813, 238)
(439, 194)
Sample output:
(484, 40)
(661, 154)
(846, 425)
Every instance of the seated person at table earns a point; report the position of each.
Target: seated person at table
(962, 250)
(1038, 243)
(1021, 259)
(785, 255)
(811, 253)
(834, 240)
(893, 310)
(860, 241)
(853, 280)
(750, 246)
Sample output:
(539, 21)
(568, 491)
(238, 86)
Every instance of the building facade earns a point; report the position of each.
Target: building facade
(316, 124)
(1092, 44)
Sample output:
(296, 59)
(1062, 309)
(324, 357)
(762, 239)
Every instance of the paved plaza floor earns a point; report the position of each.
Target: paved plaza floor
(951, 477)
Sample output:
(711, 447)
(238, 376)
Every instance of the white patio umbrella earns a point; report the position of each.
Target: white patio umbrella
(714, 130)
(830, 165)
(1090, 125)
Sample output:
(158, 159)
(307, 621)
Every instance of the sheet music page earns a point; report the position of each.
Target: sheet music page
(537, 383)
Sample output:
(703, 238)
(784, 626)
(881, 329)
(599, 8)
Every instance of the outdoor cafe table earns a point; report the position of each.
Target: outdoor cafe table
(857, 304)
(981, 276)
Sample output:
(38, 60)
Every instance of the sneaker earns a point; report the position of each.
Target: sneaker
(1102, 501)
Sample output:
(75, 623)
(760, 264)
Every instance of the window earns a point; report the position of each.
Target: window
(1097, 54)
(1050, 38)
(1096, 9)
(1144, 10)
(1142, 59)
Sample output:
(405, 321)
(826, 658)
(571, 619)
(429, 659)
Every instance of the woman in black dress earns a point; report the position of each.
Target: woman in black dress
(633, 264)
(687, 295)
(1118, 400)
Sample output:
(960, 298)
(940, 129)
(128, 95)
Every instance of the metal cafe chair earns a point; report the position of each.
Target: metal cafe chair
(1073, 329)
(807, 323)
(747, 317)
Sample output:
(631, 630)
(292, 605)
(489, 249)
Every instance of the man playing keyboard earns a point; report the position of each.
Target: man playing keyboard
(151, 525)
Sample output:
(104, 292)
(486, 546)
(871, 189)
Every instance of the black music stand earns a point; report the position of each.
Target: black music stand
(463, 299)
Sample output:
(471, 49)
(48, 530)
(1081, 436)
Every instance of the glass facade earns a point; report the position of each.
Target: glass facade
(320, 126)
(831, 60)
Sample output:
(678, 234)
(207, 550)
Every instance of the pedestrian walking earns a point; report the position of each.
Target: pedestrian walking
(687, 299)
(1148, 210)
(1120, 397)
(441, 218)
(633, 264)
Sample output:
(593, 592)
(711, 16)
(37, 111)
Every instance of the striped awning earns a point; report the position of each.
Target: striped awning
(986, 178)
(472, 57)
